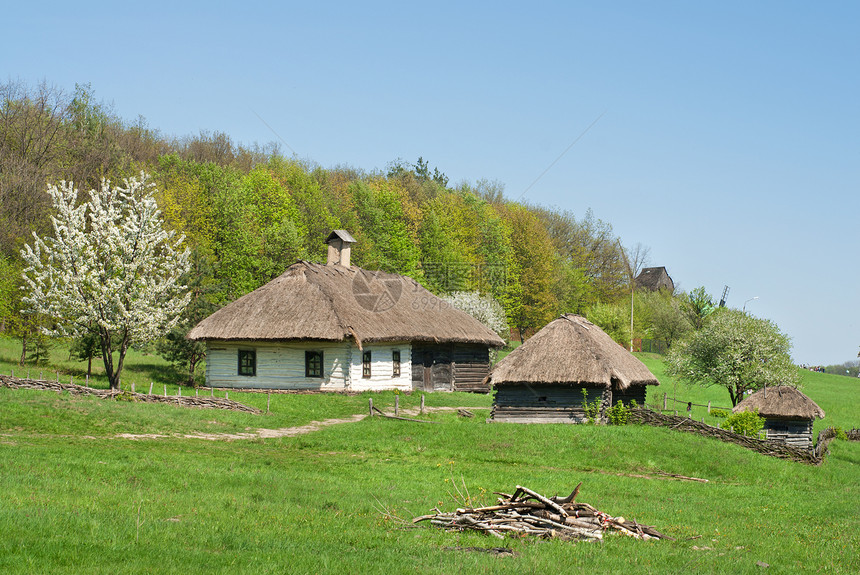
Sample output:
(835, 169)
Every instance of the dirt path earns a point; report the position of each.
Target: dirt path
(263, 433)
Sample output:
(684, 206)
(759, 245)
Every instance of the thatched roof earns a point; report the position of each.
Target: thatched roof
(782, 402)
(654, 279)
(573, 351)
(333, 302)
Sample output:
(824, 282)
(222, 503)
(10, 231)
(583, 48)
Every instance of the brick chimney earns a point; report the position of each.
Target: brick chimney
(339, 243)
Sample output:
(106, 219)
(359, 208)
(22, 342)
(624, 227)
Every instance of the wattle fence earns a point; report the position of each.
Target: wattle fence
(211, 402)
(815, 456)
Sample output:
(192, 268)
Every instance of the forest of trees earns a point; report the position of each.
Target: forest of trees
(249, 212)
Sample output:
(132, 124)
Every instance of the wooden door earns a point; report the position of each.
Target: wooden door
(428, 370)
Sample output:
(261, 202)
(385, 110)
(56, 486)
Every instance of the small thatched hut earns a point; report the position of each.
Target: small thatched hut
(788, 414)
(342, 328)
(542, 381)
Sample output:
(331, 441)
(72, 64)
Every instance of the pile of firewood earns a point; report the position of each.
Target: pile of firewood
(527, 512)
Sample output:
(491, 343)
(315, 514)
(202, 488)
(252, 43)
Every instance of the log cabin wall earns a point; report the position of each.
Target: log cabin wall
(450, 367)
(633, 393)
(471, 367)
(796, 432)
(542, 403)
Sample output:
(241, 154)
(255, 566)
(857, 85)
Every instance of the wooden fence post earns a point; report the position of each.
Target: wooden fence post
(165, 390)
(709, 408)
(132, 387)
(422, 403)
(396, 404)
(371, 406)
(664, 402)
(150, 388)
(268, 400)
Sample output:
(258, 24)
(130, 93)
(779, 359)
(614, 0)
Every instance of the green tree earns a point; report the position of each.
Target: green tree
(85, 348)
(534, 256)
(736, 351)
(698, 305)
(663, 316)
(316, 211)
(187, 355)
(387, 238)
(589, 246)
(445, 259)
(8, 288)
(614, 319)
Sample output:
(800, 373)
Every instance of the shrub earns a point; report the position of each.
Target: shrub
(619, 414)
(744, 423)
(592, 409)
(720, 413)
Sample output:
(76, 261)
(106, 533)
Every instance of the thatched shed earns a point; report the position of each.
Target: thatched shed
(340, 327)
(542, 381)
(654, 279)
(788, 414)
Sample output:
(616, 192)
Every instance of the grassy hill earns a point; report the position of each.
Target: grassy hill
(79, 498)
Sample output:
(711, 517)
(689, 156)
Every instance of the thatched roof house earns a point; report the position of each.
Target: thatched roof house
(655, 279)
(543, 379)
(788, 414)
(340, 327)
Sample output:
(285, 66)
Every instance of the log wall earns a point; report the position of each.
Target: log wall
(633, 393)
(471, 367)
(793, 432)
(533, 403)
(450, 367)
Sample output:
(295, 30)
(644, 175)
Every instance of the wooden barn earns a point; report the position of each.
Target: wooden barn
(788, 414)
(542, 381)
(655, 279)
(337, 327)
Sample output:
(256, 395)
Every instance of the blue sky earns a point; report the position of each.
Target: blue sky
(727, 134)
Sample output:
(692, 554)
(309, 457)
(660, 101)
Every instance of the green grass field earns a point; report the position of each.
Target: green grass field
(78, 499)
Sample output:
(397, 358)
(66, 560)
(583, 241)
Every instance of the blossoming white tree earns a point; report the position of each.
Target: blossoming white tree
(484, 308)
(110, 268)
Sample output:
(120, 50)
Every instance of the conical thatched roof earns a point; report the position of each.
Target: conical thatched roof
(571, 350)
(333, 302)
(782, 402)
